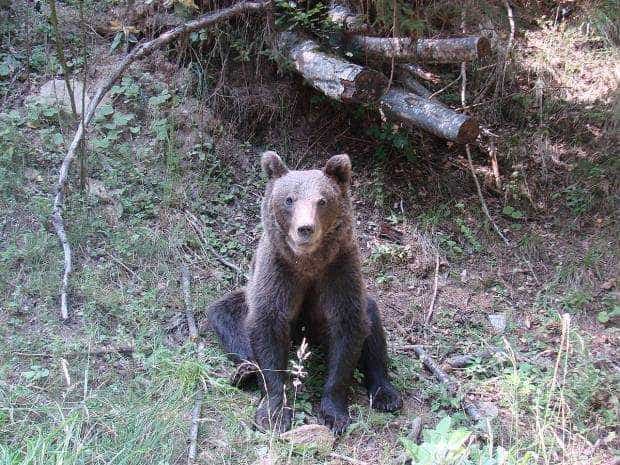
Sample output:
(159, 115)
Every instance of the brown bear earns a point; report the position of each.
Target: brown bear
(306, 281)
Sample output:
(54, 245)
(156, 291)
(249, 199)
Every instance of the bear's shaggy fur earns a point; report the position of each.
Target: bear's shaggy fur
(306, 281)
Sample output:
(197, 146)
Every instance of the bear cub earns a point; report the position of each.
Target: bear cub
(306, 281)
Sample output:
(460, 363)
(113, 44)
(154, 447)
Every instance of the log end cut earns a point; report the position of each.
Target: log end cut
(369, 86)
(468, 132)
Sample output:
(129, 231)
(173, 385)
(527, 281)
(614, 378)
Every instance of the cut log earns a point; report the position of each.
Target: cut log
(346, 19)
(333, 76)
(453, 50)
(429, 115)
(449, 50)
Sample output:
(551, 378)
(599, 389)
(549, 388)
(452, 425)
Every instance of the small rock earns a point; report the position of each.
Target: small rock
(488, 410)
(498, 322)
(33, 175)
(55, 92)
(316, 436)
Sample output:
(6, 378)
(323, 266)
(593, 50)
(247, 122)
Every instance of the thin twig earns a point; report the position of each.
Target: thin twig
(483, 202)
(193, 336)
(447, 86)
(431, 307)
(193, 429)
(137, 53)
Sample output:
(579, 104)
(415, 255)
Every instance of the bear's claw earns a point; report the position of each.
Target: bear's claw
(386, 398)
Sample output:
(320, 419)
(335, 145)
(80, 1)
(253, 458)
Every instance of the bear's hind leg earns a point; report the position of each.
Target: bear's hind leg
(227, 317)
(373, 364)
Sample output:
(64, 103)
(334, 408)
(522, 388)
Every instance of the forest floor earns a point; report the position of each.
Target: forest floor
(168, 175)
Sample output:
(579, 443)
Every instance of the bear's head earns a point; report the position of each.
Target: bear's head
(306, 206)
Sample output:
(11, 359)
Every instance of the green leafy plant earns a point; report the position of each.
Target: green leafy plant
(311, 18)
(391, 141)
(513, 213)
(442, 445)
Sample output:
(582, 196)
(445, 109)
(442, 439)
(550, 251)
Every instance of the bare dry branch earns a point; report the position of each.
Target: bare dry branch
(431, 307)
(137, 53)
(193, 336)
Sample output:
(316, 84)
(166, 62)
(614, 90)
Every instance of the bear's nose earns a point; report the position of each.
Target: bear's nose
(305, 231)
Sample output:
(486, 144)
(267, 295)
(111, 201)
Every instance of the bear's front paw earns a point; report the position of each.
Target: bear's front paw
(245, 375)
(385, 398)
(272, 415)
(334, 415)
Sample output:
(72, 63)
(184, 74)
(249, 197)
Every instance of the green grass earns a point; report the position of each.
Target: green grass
(554, 389)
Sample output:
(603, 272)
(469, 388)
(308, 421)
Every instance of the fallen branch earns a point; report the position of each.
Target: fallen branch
(448, 50)
(137, 53)
(461, 361)
(335, 77)
(193, 336)
(452, 386)
(431, 307)
(429, 115)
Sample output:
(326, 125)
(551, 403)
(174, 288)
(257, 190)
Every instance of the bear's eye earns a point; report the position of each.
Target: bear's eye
(289, 201)
(322, 202)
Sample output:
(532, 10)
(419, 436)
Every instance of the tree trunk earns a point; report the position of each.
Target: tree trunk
(429, 115)
(333, 76)
(450, 50)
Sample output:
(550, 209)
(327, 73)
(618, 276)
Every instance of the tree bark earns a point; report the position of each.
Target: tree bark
(448, 50)
(336, 78)
(429, 115)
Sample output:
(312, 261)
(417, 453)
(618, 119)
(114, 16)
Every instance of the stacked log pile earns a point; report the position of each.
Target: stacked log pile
(406, 101)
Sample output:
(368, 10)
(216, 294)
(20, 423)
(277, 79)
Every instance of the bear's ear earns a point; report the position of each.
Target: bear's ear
(272, 164)
(339, 167)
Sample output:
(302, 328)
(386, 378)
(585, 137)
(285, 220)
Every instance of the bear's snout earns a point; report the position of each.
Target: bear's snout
(304, 232)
